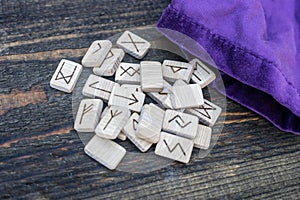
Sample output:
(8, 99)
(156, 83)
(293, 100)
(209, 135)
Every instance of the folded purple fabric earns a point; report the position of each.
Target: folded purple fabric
(255, 44)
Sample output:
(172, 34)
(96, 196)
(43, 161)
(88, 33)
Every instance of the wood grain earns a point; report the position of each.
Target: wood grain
(41, 156)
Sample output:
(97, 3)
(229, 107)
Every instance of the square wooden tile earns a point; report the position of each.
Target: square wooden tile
(133, 44)
(128, 73)
(175, 70)
(112, 122)
(97, 86)
(66, 76)
(208, 113)
(124, 97)
(174, 147)
(110, 63)
(151, 76)
(180, 123)
(150, 123)
(104, 151)
(202, 74)
(88, 115)
(96, 53)
(130, 130)
(188, 96)
(203, 137)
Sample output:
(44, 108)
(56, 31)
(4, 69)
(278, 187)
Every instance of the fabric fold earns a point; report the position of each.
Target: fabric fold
(255, 46)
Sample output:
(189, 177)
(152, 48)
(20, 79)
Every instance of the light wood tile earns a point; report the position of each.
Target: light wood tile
(188, 96)
(124, 97)
(112, 122)
(203, 137)
(130, 130)
(175, 70)
(133, 44)
(88, 115)
(151, 76)
(110, 63)
(104, 151)
(66, 76)
(133, 88)
(150, 123)
(202, 74)
(180, 123)
(96, 53)
(122, 136)
(208, 113)
(174, 147)
(128, 73)
(97, 86)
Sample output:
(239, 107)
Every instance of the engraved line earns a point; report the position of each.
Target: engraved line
(134, 42)
(197, 76)
(85, 110)
(126, 71)
(182, 121)
(97, 49)
(198, 64)
(177, 144)
(97, 88)
(65, 77)
(178, 68)
(182, 126)
(163, 93)
(134, 124)
(207, 115)
(109, 55)
(135, 100)
(112, 115)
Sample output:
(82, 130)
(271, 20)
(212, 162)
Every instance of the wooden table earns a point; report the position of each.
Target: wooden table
(42, 156)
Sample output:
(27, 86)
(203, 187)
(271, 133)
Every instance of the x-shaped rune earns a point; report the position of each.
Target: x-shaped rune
(133, 42)
(126, 71)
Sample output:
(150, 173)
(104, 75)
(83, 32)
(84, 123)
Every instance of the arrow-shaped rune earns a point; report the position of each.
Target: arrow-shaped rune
(95, 86)
(134, 99)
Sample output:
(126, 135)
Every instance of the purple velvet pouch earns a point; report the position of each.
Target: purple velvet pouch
(255, 44)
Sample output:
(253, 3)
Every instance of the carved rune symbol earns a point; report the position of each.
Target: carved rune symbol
(133, 100)
(133, 42)
(199, 65)
(85, 110)
(182, 123)
(134, 123)
(197, 76)
(176, 69)
(129, 68)
(99, 45)
(93, 85)
(112, 115)
(109, 55)
(206, 114)
(163, 93)
(60, 75)
(177, 145)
